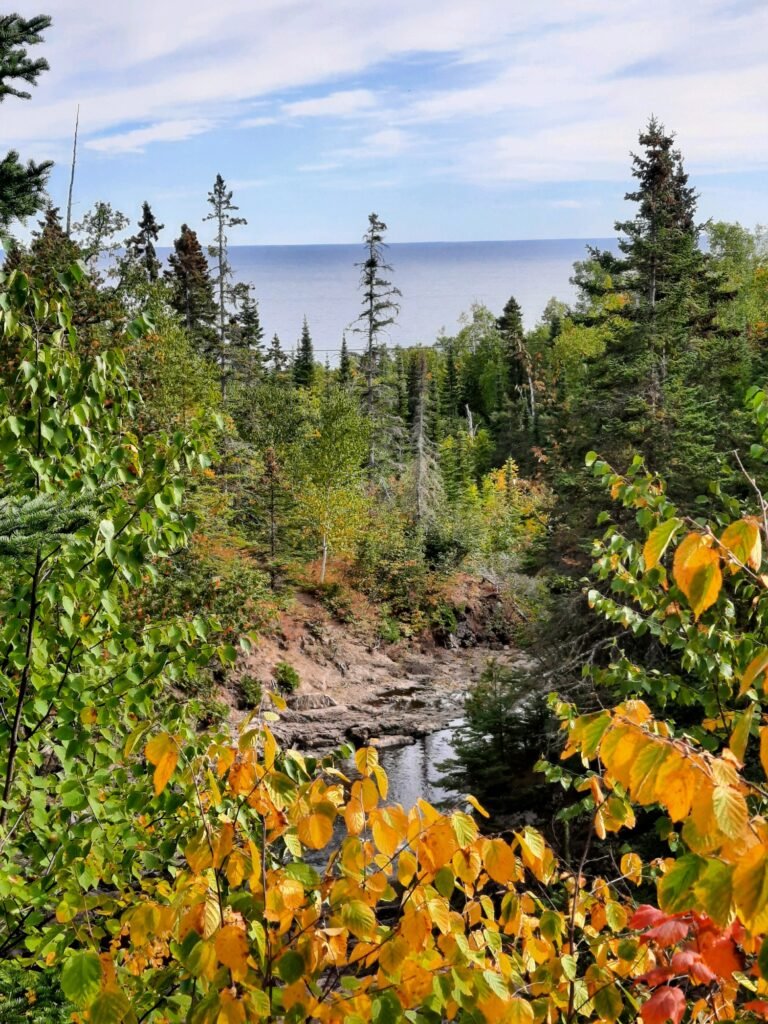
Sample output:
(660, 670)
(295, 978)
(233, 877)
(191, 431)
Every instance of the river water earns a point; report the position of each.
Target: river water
(412, 772)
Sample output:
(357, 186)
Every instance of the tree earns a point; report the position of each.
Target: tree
(304, 363)
(246, 357)
(192, 292)
(98, 230)
(423, 484)
(380, 310)
(277, 359)
(22, 188)
(345, 362)
(140, 248)
(520, 392)
(328, 473)
(220, 199)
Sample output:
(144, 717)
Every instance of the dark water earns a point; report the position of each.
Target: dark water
(412, 772)
(439, 281)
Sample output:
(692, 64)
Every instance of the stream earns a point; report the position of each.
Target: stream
(412, 772)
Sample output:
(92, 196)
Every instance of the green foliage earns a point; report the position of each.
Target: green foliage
(286, 677)
(31, 996)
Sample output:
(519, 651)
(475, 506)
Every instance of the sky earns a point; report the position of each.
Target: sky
(452, 119)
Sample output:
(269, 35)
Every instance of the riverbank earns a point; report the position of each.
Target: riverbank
(355, 688)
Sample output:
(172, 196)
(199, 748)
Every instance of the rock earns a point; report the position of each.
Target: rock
(387, 742)
(310, 701)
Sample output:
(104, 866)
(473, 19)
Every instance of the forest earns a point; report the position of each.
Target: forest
(176, 487)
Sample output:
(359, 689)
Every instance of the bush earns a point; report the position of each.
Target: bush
(286, 677)
(31, 997)
(249, 693)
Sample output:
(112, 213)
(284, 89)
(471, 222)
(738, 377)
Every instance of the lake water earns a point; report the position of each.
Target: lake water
(439, 281)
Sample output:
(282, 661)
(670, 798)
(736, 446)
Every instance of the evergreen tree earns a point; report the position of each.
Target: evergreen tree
(423, 484)
(517, 413)
(22, 188)
(97, 232)
(345, 363)
(220, 199)
(140, 248)
(380, 310)
(304, 361)
(192, 291)
(276, 358)
(246, 352)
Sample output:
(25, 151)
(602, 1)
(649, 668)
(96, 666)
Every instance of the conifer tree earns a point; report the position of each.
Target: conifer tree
(423, 485)
(192, 291)
(345, 363)
(22, 188)
(246, 352)
(304, 361)
(379, 311)
(220, 200)
(140, 248)
(276, 358)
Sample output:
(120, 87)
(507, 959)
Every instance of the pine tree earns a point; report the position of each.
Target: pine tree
(192, 291)
(245, 351)
(220, 199)
(304, 362)
(140, 248)
(518, 416)
(380, 310)
(22, 188)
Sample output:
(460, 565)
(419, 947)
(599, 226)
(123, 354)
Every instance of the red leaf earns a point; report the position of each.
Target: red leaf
(669, 933)
(656, 976)
(691, 963)
(758, 1006)
(720, 953)
(646, 915)
(665, 1004)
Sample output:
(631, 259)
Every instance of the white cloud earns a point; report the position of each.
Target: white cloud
(136, 140)
(336, 104)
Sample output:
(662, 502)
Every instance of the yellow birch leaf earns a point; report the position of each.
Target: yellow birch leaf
(730, 810)
(697, 572)
(750, 889)
(742, 539)
(518, 1011)
(231, 1009)
(764, 748)
(223, 844)
(232, 950)
(163, 752)
(315, 830)
(366, 760)
(499, 861)
(474, 802)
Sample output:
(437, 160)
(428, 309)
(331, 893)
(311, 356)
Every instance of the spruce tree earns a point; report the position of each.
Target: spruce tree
(304, 362)
(220, 199)
(246, 335)
(379, 311)
(276, 358)
(140, 248)
(192, 291)
(22, 188)
(345, 363)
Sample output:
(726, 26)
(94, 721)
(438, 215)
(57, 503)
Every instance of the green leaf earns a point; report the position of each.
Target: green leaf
(675, 890)
(109, 1008)
(762, 959)
(290, 967)
(81, 978)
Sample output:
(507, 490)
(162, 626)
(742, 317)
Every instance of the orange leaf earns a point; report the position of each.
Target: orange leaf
(764, 748)
(755, 670)
(499, 861)
(163, 752)
(315, 830)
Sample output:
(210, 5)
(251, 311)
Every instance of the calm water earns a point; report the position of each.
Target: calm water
(412, 772)
(439, 281)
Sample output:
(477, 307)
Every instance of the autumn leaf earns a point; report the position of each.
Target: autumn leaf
(755, 670)
(666, 1003)
(658, 542)
(163, 752)
(742, 540)
(231, 947)
(697, 572)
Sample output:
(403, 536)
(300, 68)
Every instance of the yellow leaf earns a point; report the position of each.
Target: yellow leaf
(730, 809)
(315, 830)
(366, 760)
(632, 868)
(696, 570)
(750, 889)
(518, 1011)
(755, 670)
(658, 542)
(89, 716)
(232, 950)
(742, 539)
(163, 752)
(764, 748)
(740, 735)
(474, 802)
(223, 844)
(231, 1009)
(499, 861)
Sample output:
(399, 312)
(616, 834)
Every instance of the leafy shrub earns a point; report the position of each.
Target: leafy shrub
(389, 630)
(286, 677)
(335, 598)
(249, 693)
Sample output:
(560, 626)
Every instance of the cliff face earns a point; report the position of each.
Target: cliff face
(353, 687)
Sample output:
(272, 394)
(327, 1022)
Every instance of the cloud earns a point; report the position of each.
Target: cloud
(136, 140)
(335, 104)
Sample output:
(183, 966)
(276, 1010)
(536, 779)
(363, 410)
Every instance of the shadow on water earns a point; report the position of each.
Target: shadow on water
(412, 772)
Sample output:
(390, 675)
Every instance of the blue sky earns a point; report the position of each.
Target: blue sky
(454, 120)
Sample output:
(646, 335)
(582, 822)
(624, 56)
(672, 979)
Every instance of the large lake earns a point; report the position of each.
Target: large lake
(439, 281)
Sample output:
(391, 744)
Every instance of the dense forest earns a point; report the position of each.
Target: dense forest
(174, 482)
